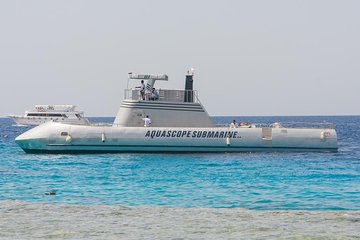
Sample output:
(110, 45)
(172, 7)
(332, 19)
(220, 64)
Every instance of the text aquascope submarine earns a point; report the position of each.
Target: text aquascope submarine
(179, 123)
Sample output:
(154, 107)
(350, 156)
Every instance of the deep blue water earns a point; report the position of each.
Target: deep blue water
(261, 181)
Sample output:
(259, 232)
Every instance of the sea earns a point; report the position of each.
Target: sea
(250, 195)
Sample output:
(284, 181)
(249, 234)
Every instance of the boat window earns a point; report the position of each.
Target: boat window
(64, 133)
(78, 116)
(44, 115)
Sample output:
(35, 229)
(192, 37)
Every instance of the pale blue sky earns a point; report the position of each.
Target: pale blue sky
(250, 57)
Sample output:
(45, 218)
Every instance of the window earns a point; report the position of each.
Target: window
(44, 115)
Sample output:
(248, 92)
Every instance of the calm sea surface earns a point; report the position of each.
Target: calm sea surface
(248, 187)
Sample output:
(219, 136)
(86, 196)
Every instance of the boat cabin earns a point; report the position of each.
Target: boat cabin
(171, 108)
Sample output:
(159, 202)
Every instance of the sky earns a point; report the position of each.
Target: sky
(251, 58)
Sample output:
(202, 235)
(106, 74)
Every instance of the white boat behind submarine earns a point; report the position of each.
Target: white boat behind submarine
(180, 123)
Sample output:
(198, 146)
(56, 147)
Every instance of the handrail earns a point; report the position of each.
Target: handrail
(324, 125)
(283, 125)
(317, 125)
(165, 95)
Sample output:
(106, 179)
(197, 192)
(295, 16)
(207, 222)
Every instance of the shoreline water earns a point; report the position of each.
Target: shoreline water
(23, 220)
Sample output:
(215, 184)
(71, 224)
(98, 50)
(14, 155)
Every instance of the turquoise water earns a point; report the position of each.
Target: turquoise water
(260, 181)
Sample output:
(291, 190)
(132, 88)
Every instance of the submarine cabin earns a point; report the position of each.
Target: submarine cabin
(172, 108)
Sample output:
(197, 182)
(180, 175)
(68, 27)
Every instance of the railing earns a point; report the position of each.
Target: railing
(256, 125)
(164, 95)
(323, 125)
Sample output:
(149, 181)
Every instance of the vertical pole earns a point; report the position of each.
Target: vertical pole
(189, 97)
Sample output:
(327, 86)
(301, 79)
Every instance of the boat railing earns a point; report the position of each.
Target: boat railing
(320, 125)
(316, 125)
(164, 95)
(284, 125)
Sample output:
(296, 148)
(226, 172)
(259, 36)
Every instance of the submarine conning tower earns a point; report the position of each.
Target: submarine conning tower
(171, 108)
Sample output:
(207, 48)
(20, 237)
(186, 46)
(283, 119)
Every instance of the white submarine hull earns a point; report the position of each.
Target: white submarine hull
(54, 137)
(179, 123)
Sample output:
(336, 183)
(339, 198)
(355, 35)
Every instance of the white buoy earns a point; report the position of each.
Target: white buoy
(68, 138)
